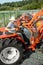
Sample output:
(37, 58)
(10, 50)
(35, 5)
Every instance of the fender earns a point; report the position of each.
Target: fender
(12, 35)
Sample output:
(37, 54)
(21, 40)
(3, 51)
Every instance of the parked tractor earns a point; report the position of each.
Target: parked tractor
(26, 37)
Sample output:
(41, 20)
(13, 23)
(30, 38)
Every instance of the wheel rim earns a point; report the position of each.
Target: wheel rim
(9, 55)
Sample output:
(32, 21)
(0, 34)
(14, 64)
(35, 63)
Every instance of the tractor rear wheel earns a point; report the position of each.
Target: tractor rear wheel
(11, 52)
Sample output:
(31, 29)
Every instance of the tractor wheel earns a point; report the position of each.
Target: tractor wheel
(11, 52)
(31, 61)
(38, 56)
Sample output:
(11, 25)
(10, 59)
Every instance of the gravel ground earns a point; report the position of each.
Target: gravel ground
(35, 58)
(31, 61)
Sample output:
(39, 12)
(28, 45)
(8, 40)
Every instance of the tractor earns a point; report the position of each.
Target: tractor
(26, 37)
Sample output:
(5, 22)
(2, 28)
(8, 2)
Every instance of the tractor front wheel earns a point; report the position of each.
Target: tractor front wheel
(10, 54)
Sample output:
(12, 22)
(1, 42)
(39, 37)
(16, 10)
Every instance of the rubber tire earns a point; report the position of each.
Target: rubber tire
(11, 44)
(38, 56)
(31, 61)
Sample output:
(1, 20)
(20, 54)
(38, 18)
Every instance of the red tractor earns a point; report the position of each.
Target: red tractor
(24, 38)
